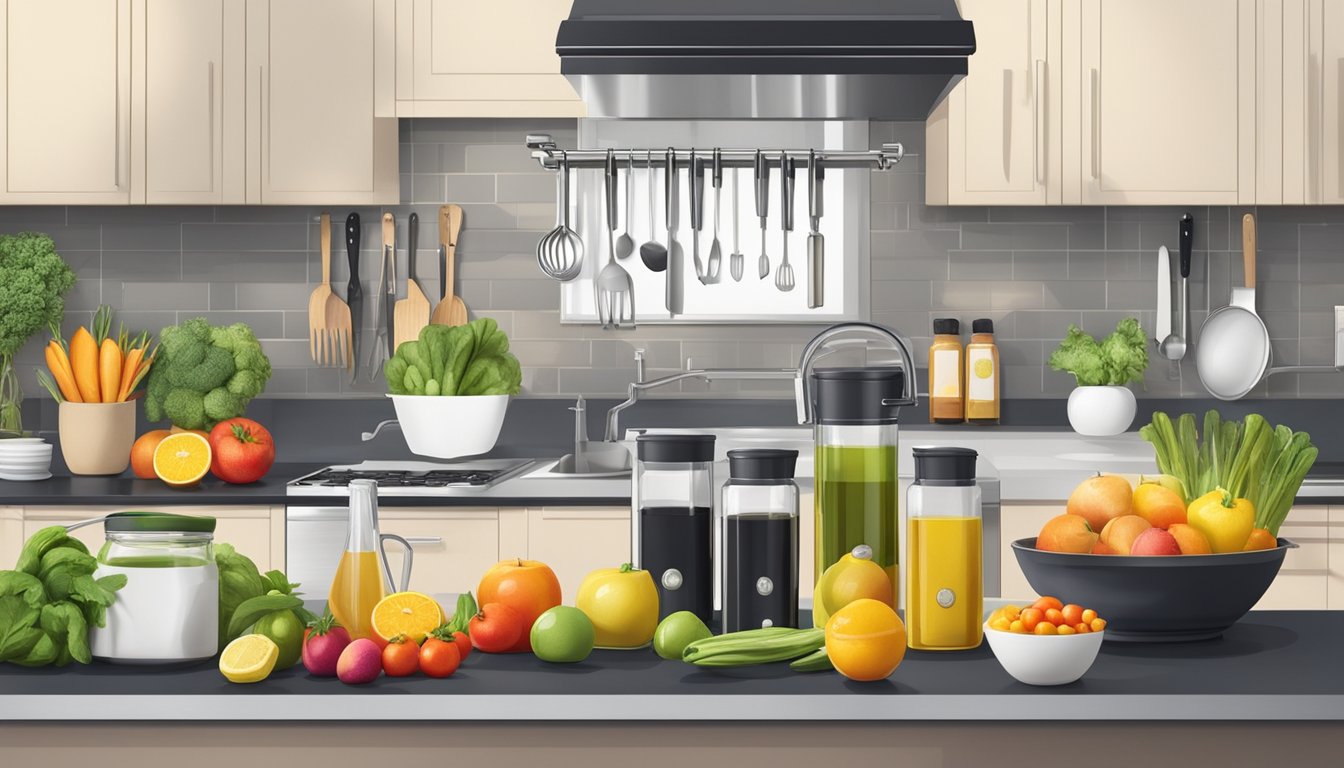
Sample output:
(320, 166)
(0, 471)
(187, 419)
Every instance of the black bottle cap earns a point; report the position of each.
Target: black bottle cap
(762, 464)
(675, 449)
(948, 325)
(945, 466)
(983, 325)
(853, 396)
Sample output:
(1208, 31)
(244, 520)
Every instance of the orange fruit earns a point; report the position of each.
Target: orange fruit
(1100, 499)
(1073, 613)
(1047, 602)
(1066, 533)
(1160, 506)
(1261, 538)
(1190, 539)
(865, 640)
(1120, 533)
(411, 614)
(142, 453)
(182, 459)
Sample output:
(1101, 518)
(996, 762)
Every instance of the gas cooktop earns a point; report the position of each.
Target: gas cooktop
(408, 478)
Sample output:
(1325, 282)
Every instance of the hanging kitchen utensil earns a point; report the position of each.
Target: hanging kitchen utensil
(560, 251)
(816, 244)
(354, 292)
(1162, 325)
(613, 290)
(412, 312)
(381, 350)
(761, 176)
(784, 275)
(715, 250)
(697, 213)
(652, 252)
(625, 244)
(1173, 345)
(736, 261)
(450, 310)
(1234, 350)
(325, 345)
(673, 298)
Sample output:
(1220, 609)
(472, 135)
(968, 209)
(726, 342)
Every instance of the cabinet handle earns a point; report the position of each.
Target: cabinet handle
(210, 96)
(1096, 124)
(1040, 121)
(1339, 123)
(116, 124)
(425, 539)
(265, 126)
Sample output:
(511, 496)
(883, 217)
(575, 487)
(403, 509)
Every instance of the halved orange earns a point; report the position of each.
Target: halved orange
(182, 459)
(413, 614)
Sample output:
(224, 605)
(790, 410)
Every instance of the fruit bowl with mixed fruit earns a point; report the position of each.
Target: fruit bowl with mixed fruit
(1046, 643)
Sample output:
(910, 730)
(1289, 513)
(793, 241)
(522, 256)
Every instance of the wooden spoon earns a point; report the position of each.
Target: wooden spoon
(411, 313)
(451, 310)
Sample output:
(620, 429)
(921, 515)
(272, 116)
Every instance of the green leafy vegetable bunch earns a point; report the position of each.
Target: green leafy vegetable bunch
(205, 374)
(246, 594)
(472, 359)
(1116, 361)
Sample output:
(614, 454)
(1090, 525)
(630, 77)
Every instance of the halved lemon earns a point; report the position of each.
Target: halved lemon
(413, 614)
(182, 459)
(249, 659)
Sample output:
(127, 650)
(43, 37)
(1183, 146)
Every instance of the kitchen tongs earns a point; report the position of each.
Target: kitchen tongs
(384, 298)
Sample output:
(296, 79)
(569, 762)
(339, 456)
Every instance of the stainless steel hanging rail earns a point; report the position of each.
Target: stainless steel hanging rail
(545, 151)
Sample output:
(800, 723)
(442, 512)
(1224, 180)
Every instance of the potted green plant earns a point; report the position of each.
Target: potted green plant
(33, 282)
(1102, 404)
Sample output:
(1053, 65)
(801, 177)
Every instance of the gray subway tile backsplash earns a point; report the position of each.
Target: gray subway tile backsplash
(1033, 270)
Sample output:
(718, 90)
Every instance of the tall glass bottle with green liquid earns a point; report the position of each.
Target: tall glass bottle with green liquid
(857, 492)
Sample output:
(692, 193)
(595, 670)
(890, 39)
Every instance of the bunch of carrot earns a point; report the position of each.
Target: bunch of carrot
(97, 368)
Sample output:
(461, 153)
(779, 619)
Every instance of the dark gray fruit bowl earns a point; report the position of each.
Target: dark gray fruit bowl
(1155, 599)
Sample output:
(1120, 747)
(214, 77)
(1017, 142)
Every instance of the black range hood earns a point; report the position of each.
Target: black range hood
(778, 59)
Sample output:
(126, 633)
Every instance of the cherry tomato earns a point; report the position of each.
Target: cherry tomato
(401, 657)
(1054, 616)
(1048, 602)
(1073, 614)
(1031, 617)
(439, 658)
(463, 642)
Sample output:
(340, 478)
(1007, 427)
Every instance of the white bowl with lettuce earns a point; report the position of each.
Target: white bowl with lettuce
(451, 388)
(1101, 405)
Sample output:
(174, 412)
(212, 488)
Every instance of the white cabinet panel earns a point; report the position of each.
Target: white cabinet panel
(574, 541)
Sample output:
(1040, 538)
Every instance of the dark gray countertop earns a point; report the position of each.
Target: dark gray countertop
(1271, 666)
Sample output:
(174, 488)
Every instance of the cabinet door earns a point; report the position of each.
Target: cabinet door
(65, 84)
(1325, 82)
(311, 74)
(1334, 590)
(493, 59)
(1303, 580)
(11, 536)
(1020, 521)
(1165, 102)
(452, 546)
(574, 541)
(1002, 122)
(192, 101)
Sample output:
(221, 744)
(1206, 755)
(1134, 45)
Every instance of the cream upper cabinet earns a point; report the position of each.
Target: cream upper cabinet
(313, 78)
(996, 138)
(494, 59)
(1325, 84)
(1163, 102)
(65, 78)
(189, 102)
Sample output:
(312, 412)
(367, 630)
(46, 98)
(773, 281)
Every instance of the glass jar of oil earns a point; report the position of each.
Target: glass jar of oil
(944, 596)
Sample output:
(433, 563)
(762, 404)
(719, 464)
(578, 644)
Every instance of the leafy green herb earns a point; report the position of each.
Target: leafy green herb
(472, 359)
(251, 610)
(1119, 359)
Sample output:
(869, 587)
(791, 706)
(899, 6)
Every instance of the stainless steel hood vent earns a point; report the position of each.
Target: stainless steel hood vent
(777, 59)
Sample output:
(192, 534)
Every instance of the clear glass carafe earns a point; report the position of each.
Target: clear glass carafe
(676, 513)
(760, 540)
(363, 576)
(944, 598)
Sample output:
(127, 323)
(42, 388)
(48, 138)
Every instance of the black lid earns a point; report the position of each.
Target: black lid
(157, 522)
(854, 395)
(762, 464)
(983, 325)
(950, 325)
(675, 449)
(945, 466)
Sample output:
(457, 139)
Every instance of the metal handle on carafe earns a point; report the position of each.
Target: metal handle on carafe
(405, 563)
(802, 389)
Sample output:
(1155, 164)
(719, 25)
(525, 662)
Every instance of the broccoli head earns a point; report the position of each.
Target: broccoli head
(205, 374)
(33, 283)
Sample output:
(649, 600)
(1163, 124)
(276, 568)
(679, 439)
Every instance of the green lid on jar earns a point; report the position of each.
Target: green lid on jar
(157, 522)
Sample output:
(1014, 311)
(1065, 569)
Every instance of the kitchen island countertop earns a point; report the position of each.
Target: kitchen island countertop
(1271, 666)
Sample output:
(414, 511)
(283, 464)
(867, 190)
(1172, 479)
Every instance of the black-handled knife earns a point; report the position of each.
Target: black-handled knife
(1187, 242)
(412, 228)
(354, 292)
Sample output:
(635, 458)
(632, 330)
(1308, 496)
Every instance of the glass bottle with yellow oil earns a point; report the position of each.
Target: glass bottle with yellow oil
(982, 374)
(944, 596)
(947, 399)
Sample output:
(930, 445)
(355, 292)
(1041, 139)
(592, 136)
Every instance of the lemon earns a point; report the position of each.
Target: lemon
(984, 368)
(850, 578)
(249, 659)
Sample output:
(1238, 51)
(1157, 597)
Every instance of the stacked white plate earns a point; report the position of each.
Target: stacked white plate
(25, 458)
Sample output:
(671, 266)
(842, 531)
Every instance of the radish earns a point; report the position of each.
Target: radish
(323, 646)
(360, 662)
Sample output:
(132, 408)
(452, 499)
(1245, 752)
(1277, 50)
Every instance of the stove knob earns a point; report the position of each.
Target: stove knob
(672, 579)
(764, 586)
(945, 597)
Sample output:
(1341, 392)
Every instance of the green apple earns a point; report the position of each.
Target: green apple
(677, 631)
(562, 634)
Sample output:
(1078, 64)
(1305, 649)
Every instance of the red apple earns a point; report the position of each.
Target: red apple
(1155, 541)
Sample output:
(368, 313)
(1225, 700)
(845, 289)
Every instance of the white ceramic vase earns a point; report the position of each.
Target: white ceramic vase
(1101, 411)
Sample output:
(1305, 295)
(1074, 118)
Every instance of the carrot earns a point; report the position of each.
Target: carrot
(60, 370)
(139, 376)
(84, 365)
(128, 370)
(109, 370)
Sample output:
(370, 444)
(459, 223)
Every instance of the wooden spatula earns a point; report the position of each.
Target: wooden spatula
(450, 310)
(411, 313)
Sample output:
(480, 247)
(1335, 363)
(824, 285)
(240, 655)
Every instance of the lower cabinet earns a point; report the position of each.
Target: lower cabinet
(1334, 589)
(1020, 521)
(453, 546)
(576, 540)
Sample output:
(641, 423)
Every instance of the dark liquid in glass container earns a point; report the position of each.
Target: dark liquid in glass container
(760, 546)
(678, 538)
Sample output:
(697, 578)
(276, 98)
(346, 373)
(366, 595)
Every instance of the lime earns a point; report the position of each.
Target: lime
(286, 631)
(562, 634)
(677, 631)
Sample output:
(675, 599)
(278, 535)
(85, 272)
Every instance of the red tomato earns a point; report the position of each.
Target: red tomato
(242, 451)
(401, 658)
(496, 628)
(463, 642)
(439, 658)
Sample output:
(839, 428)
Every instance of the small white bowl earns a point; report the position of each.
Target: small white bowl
(1044, 659)
(25, 448)
(448, 427)
(7, 462)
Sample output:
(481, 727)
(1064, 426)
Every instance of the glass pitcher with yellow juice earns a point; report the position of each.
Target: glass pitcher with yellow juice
(944, 598)
(363, 576)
